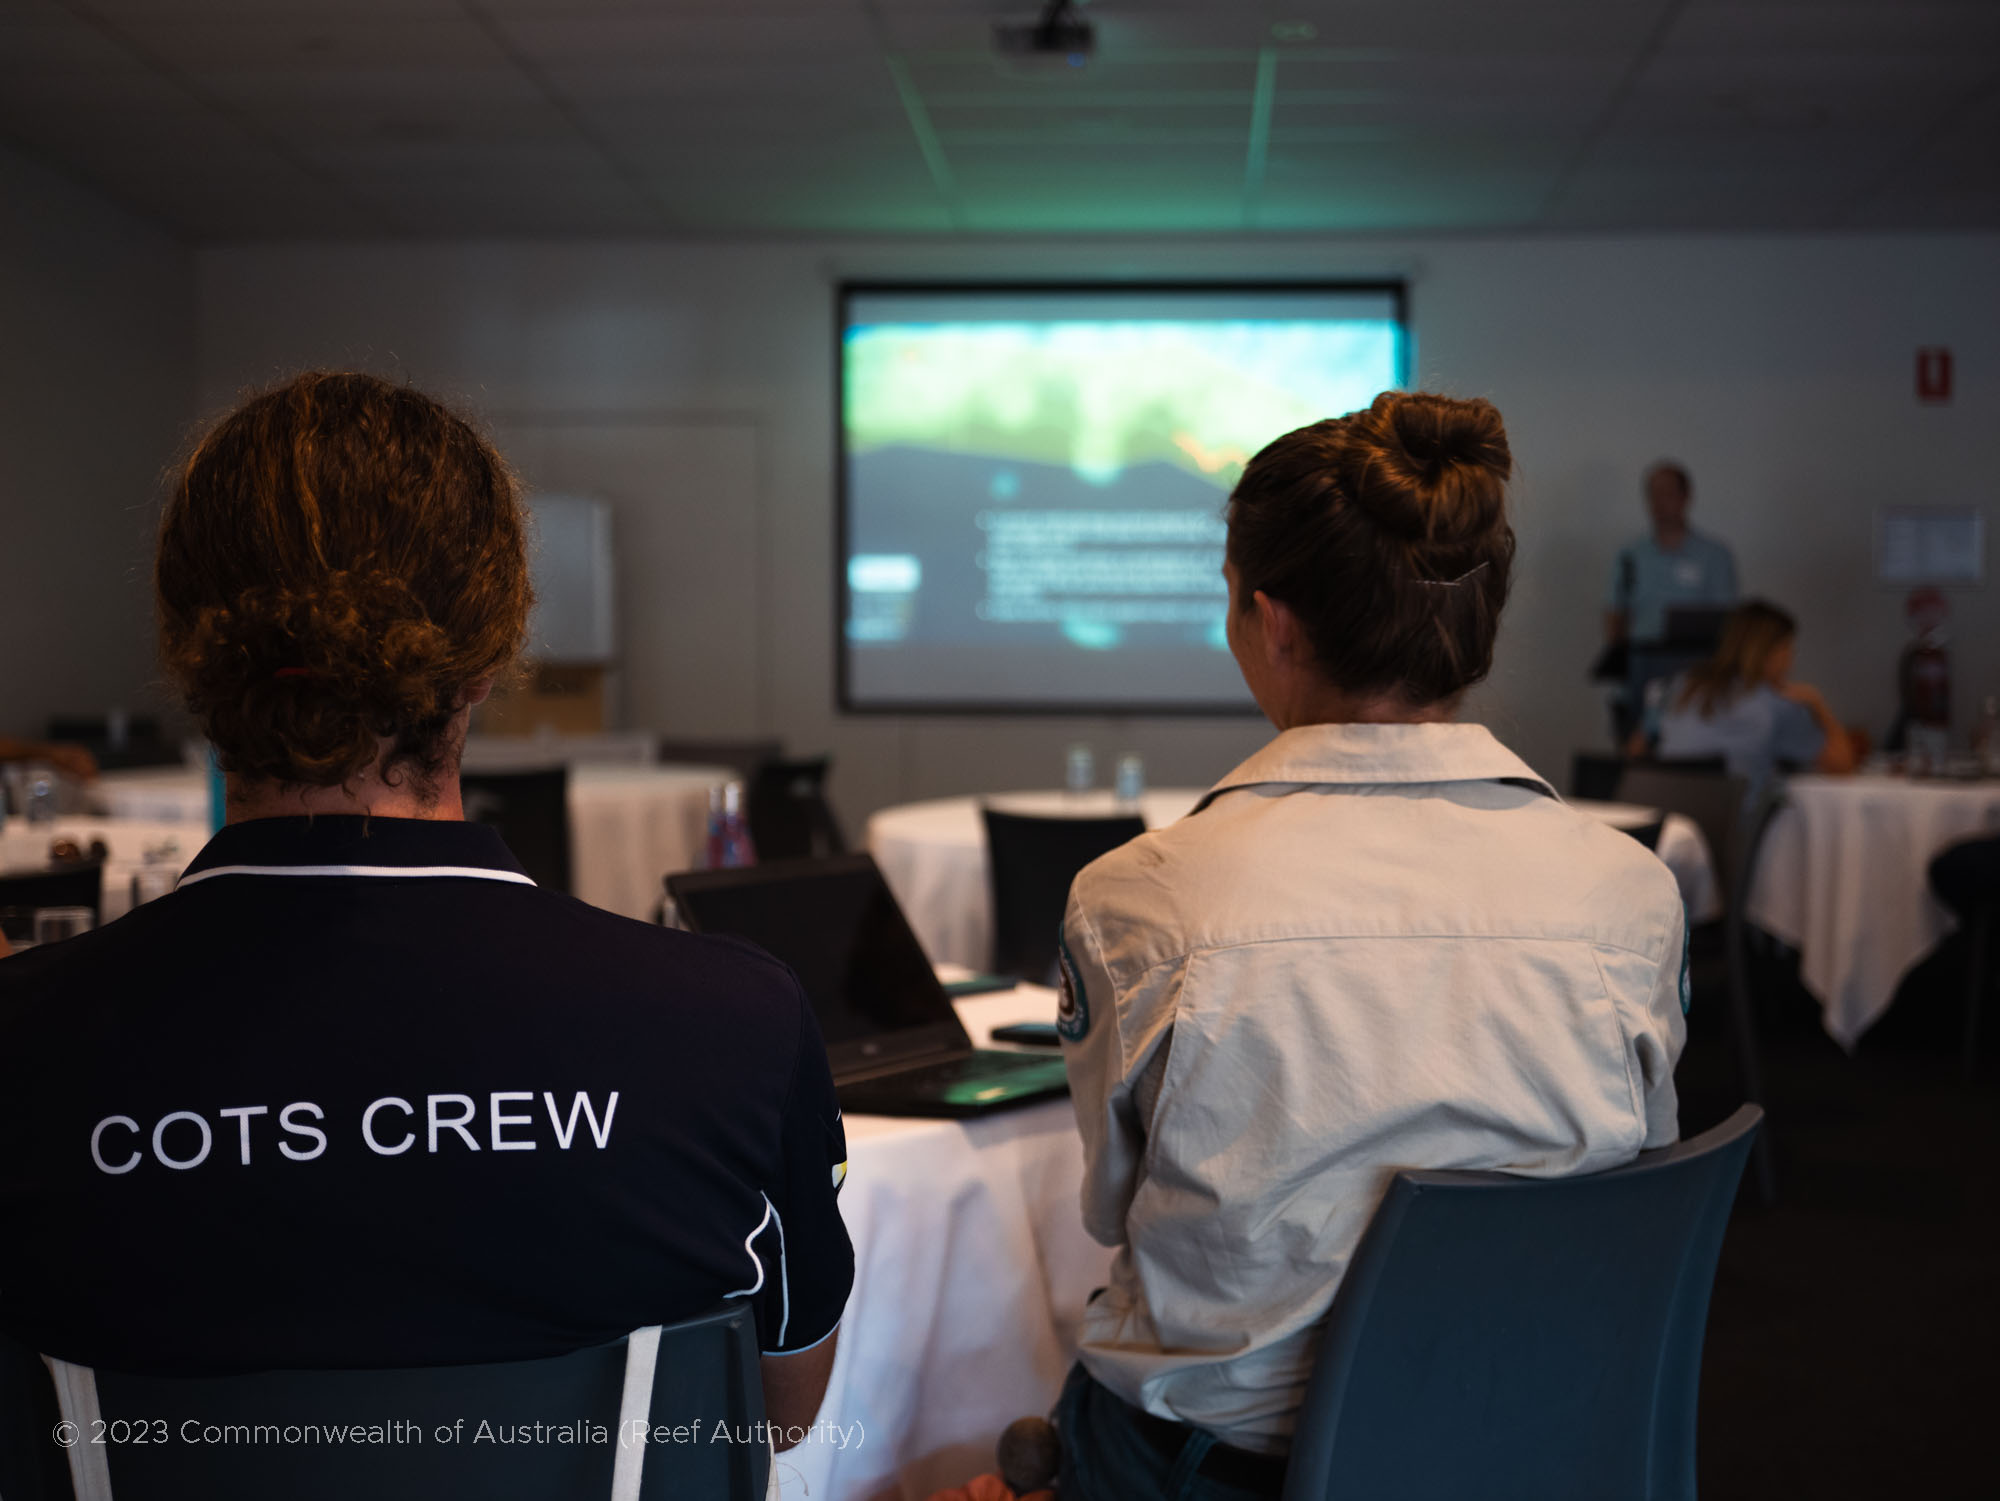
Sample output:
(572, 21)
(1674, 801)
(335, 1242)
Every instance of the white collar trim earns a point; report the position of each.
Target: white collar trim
(474, 872)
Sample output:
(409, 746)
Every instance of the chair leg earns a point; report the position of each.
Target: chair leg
(1978, 942)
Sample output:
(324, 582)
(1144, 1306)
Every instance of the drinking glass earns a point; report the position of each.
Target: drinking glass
(53, 924)
(1131, 779)
(152, 881)
(1082, 768)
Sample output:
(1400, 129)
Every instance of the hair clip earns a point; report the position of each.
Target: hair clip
(1453, 583)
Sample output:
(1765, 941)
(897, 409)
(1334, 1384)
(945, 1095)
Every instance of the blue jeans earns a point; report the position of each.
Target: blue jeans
(1107, 1454)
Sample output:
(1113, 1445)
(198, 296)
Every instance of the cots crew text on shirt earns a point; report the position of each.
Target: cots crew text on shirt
(389, 1127)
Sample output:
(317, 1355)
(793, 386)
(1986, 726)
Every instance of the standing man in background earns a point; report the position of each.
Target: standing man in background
(1674, 568)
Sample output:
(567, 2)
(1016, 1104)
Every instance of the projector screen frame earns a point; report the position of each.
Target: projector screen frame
(1396, 289)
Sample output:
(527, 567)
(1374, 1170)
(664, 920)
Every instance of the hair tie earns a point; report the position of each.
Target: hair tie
(1452, 583)
(293, 672)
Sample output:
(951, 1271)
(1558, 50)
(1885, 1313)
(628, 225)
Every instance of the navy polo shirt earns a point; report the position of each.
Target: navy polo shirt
(357, 1093)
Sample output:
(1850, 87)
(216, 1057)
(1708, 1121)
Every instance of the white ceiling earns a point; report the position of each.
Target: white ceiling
(262, 119)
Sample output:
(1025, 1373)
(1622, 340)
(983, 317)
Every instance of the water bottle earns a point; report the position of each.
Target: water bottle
(728, 828)
(1082, 774)
(39, 792)
(1131, 779)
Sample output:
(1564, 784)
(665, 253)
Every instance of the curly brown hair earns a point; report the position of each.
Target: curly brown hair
(341, 560)
(1385, 532)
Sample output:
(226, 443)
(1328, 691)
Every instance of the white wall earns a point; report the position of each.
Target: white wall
(694, 383)
(96, 387)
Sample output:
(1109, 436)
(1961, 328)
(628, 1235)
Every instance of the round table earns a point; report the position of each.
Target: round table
(134, 844)
(933, 854)
(1842, 877)
(971, 1270)
(629, 825)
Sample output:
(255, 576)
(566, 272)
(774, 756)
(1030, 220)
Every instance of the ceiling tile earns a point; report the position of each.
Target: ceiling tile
(522, 116)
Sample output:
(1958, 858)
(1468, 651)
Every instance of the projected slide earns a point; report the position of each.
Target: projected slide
(1035, 480)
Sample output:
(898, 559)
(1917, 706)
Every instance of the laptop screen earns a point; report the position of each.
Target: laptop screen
(837, 925)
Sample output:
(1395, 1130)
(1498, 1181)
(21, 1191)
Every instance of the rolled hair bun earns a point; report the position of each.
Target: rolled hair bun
(340, 561)
(1428, 469)
(301, 684)
(1385, 532)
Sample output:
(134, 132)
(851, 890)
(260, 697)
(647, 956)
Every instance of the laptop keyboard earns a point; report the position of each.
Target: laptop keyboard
(972, 1070)
(965, 1085)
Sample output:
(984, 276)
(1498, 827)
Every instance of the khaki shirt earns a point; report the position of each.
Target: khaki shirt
(1370, 947)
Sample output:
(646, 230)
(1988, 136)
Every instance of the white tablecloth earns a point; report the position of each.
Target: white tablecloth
(971, 1272)
(24, 846)
(629, 824)
(177, 794)
(1842, 878)
(933, 855)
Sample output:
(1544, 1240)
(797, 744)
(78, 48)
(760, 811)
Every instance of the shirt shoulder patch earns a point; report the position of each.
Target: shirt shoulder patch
(1072, 1005)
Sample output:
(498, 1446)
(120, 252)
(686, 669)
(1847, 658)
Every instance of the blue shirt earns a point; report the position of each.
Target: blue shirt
(1647, 580)
(357, 1093)
(1752, 732)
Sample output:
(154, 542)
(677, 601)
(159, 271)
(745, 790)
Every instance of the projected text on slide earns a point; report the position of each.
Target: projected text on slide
(1035, 504)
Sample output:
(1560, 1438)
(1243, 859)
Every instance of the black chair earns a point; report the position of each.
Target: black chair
(1966, 878)
(1648, 834)
(530, 809)
(139, 745)
(1594, 775)
(1524, 1339)
(789, 816)
(1700, 791)
(741, 756)
(77, 883)
(1032, 862)
(703, 1371)
(1719, 951)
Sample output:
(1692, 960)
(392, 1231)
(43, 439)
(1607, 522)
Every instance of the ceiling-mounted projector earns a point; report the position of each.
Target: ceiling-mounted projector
(1060, 36)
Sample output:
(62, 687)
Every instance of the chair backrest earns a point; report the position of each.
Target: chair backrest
(530, 809)
(1531, 1338)
(138, 744)
(1033, 861)
(665, 1412)
(790, 818)
(1697, 790)
(1648, 834)
(741, 756)
(76, 884)
(1593, 775)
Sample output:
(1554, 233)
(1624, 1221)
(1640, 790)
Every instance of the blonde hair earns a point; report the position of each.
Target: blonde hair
(1752, 633)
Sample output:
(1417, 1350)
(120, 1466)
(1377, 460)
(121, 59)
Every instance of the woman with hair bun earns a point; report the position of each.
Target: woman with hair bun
(357, 1093)
(1381, 942)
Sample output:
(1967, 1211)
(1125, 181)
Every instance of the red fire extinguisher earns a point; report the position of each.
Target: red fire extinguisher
(1923, 675)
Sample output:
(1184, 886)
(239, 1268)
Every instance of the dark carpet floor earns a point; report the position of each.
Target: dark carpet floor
(1854, 1338)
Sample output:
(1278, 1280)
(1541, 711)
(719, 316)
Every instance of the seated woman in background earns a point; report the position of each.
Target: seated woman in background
(1741, 705)
(357, 1093)
(1381, 942)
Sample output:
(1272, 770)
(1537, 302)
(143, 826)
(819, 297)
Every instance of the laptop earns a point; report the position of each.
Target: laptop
(896, 1045)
